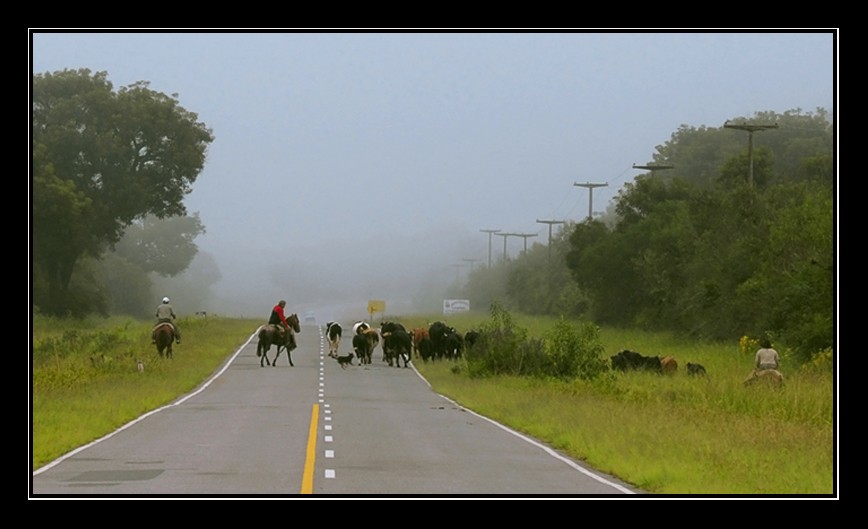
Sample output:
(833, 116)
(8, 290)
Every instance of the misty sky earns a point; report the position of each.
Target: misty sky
(353, 165)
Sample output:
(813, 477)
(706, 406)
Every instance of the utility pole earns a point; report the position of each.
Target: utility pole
(505, 235)
(550, 223)
(525, 237)
(457, 271)
(489, 232)
(653, 167)
(471, 261)
(750, 130)
(590, 195)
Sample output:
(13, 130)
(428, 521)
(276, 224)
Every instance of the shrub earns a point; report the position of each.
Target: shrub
(574, 352)
(566, 352)
(500, 348)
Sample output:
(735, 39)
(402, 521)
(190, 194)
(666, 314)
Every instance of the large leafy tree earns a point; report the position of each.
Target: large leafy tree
(163, 246)
(102, 159)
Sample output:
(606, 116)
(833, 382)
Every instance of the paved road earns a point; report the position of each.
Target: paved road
(317, 429)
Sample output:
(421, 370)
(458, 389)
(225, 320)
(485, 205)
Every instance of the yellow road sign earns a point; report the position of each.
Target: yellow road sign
(376, 305)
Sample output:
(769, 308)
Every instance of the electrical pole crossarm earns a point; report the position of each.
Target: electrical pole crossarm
(590, 188)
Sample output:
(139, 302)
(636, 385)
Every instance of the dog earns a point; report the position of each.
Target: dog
(345, 360)
(695, 370)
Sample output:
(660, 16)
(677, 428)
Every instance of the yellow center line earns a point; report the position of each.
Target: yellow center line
(310, 460)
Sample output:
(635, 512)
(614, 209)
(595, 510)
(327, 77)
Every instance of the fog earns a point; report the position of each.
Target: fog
(356, 166)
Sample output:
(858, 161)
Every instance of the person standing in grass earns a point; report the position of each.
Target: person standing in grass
(767, 357)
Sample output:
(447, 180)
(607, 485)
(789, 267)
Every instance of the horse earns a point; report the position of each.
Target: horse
(771, 377)
(268, 337)
(164, 335)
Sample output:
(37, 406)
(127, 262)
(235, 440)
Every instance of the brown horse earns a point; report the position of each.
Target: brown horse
(164, 335)
(269, 336)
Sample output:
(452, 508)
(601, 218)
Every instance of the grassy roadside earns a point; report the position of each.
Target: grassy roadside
(675, 435)
(666, 435)
(85, 382)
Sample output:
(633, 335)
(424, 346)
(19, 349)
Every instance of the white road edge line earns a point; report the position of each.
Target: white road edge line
(152, 412)
(545, 448)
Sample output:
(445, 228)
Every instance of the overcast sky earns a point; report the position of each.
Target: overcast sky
(343, 154)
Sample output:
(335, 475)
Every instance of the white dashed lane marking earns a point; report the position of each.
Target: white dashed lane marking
(328, 454)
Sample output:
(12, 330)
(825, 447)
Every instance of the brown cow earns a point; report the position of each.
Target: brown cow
(418, 334)
(668, 365)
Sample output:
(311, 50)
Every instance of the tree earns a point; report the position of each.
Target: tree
(164, 246)
(102, 159)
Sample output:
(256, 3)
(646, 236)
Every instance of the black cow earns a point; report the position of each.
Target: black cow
(454, 344)
(695, 370)
(390, 326)
(363, 347)
(470, 338)
(397, 344)
(630, 360)
(437, 332)
(426, 349)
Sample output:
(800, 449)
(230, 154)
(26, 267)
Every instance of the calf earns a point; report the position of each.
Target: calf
(695, 370)
(668, 365)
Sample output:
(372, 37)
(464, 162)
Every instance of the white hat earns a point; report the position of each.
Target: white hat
(165, 300)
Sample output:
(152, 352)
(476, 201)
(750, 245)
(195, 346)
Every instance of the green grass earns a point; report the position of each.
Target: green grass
(85, 380)
(674, 435)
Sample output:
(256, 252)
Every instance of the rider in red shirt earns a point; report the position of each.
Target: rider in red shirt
(278, 319)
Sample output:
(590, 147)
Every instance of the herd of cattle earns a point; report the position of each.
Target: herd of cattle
(438, 342)
(442, 342)
(628, 360)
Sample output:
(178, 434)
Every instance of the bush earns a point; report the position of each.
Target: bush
(575, 352)
(567, 352)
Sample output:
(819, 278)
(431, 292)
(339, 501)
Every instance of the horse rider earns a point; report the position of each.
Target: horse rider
(278, 318)
(166, 314)
(766, 356)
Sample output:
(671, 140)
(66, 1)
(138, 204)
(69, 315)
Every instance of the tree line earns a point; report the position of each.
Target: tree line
(700, 248)
(109, 172)
(728, 241)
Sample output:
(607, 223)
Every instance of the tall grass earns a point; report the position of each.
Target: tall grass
(674, 434)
